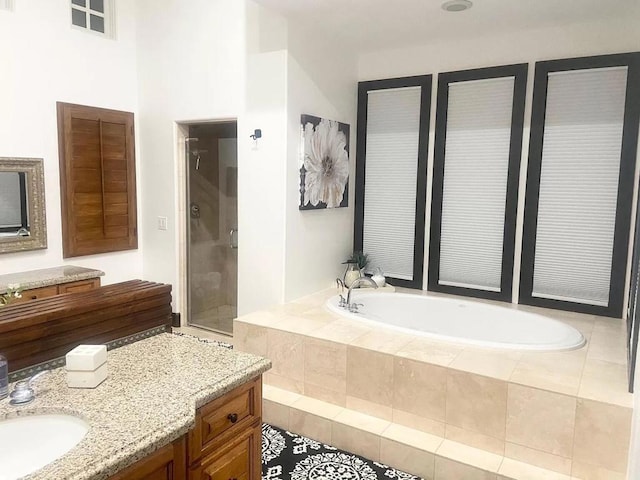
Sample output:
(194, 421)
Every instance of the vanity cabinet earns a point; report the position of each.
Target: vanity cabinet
(225, 443)
(52, 290)
(168, 463)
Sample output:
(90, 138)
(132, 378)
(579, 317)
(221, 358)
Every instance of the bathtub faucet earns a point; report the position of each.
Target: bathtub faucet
(340, 284)
(353, 307)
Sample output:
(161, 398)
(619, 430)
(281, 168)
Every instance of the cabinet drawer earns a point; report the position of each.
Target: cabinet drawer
(36, 293)
(224, 418)
(241, 461)
(80, 286)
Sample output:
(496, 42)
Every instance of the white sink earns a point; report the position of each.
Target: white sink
(29, 443)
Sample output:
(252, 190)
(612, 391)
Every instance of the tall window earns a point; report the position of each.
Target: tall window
(393, 126)
(582, 156)
(475, 184)
(93, 15)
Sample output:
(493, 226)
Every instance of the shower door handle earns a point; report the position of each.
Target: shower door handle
(233, 241)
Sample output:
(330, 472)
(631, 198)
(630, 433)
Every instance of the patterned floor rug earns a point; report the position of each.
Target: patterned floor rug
(287, 456)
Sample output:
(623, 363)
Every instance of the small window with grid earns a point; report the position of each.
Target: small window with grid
(92, 15)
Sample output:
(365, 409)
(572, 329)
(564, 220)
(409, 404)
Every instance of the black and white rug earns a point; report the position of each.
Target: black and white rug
(287, 456)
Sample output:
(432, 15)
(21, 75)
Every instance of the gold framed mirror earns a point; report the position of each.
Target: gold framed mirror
(23, 223)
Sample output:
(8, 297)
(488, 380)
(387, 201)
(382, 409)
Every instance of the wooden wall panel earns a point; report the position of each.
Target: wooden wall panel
(48, 328)
(97, 180)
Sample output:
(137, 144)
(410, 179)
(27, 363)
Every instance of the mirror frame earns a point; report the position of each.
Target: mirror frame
(37, 212)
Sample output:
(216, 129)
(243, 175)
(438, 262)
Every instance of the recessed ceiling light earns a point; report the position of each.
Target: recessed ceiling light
(456, 5)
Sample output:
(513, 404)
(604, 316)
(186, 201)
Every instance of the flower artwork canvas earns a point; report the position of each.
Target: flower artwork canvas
(324, 163)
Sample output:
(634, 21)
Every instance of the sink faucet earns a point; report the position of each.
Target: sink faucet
(353, 307)
(23, 392)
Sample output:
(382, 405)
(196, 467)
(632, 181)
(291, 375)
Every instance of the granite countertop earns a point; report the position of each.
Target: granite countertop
(48, 276)
(148, 400)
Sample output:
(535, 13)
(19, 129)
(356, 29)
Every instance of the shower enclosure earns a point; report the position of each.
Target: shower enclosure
(212, 225)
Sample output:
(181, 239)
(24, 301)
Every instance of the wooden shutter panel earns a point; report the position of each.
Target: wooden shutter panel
(97, 180)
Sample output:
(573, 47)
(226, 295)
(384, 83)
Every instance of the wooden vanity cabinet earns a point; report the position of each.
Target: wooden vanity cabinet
(225, 444)
(238, 461)
(168, 463)
(53, 290)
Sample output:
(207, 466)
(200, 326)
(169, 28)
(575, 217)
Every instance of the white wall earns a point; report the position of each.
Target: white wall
(500, 49)
(285, 253)
(191, 68)
(322, 81)
(261, 164)
(44, 60)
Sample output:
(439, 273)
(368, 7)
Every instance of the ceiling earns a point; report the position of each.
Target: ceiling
(367, 25)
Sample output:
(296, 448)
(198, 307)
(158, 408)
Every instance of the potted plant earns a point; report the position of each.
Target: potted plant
(356, 264)
(13, 291)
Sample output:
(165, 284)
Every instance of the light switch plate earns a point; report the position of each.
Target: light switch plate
(162, 223)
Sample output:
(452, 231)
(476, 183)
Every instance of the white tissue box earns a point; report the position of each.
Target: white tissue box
(86, 366)
(86, 358)
(85, 379)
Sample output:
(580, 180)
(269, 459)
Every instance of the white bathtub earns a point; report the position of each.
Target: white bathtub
(462, 321)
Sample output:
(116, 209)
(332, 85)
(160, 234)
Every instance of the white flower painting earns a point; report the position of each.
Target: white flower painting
(324, 169)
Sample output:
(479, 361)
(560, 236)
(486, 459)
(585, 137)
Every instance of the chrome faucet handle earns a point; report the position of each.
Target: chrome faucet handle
(353, 307)
(342, 302)
(23, 392)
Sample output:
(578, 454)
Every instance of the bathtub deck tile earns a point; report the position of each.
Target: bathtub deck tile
(470, 456)
(515, 469)
(475, 439)
(409, 436)
(384, 412)
(417, 422)
(342, 331)
(429, 351)
(382, 340)
(493, 363)
(605, 382)
(558, 372)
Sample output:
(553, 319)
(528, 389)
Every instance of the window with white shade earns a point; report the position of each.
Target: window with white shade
(94, 16)
(477, 156)
(580, 179)
(391, 176)
(6, 4)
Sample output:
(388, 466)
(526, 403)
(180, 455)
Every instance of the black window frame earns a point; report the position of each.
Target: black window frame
(425, 82)
(633, 314)
(625, 181)
(519, 72)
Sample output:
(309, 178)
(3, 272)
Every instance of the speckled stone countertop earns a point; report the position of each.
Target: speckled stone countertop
(148, 400)
(48, 276)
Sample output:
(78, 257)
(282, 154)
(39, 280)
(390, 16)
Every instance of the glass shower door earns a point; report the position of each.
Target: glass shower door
(212, 201)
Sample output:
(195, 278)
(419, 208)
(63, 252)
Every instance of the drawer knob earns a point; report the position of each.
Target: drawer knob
(233, 418)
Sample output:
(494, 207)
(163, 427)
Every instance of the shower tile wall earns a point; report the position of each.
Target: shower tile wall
(212, 261)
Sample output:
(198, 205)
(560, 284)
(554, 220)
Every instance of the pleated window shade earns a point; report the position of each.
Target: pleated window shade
(476, 166)
(10, 208)
(581, 153)
(393, 121)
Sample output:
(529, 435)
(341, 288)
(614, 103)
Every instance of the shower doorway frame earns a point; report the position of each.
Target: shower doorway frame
(181, 133)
